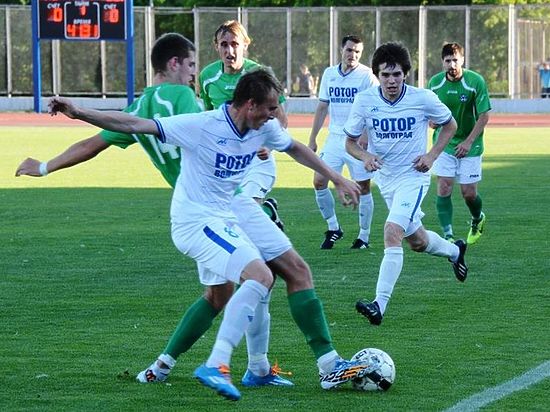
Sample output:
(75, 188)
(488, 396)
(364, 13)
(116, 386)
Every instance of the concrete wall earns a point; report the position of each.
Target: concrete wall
(294, 104)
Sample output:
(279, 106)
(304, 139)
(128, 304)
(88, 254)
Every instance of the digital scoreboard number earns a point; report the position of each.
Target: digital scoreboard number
(82, 20)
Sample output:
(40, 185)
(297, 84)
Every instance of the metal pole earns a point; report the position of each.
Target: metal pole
(512, 52)
(103, 60)
(467, 36)
(36, 78)
(289, 50)
(422, 54)
(56, 67)
(378, 27)
(129, 52)
(8, 53)
(333, 33)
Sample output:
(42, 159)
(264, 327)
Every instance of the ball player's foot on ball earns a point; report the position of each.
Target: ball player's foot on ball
(344, 371)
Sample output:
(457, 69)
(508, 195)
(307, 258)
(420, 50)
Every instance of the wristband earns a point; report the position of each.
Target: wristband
(43, 168)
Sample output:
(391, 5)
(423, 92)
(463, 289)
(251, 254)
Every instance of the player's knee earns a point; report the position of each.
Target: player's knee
(319, 182)
(257, 270)
(393, 234)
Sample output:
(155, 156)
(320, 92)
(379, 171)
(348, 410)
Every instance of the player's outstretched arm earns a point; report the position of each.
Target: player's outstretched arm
(110, 120)
(77, 153)
(348, 191)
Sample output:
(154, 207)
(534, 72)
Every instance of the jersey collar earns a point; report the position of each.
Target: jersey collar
(345, 74)
(396, 100)
(231, 123)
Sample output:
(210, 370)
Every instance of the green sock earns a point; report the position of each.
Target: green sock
(444, 206)
(307, 311)
(475, 208)
(195, 322)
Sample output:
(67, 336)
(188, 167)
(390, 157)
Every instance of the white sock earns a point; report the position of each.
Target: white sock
(327, 362)
(366, 208)
(167, 360)
(257, 339)
(238, 315)
(390, 269)
(326, 204)
(437, 246)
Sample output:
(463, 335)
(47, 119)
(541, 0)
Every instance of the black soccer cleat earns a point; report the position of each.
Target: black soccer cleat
(370, 310)
(359, 244)
(331, 236)
(459, 267)
(273, 207)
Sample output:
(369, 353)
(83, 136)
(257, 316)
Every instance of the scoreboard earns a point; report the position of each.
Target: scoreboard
(82, 19)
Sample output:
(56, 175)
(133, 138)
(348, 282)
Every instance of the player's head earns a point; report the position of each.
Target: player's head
(257, 96)
(452, 56)
(231, 41)
(173, 57)
(391, 54)
(352, 49)
(391, 63)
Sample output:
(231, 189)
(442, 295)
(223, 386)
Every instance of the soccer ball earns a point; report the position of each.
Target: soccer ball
(382, 378)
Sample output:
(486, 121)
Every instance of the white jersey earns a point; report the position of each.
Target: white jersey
(216, 157)
(339, 90)
(397, 131)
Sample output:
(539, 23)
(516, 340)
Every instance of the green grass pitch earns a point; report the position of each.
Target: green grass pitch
(91, 287)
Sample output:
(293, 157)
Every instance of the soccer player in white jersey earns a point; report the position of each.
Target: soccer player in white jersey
(339, 85)
(396, 116)
(218, 147)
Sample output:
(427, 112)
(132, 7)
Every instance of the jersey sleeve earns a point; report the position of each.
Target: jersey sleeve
(121, 140)
(183, 130)
(356, 119)
(435, 110)
(278, 138)
(482, 103)
(204, 94)
(323, 89)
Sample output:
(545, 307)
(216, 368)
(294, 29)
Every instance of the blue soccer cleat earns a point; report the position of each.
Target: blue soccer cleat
(218, 379)
(272, 378)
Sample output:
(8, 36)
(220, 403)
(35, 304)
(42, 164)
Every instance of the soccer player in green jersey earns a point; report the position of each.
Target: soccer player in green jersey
(465, 93)
(173, 60)
(217, 82)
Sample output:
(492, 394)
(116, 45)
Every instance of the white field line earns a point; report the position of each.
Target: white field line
(531, 377)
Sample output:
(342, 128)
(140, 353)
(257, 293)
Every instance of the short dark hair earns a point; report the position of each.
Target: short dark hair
(351, 37)
(167, 46)
(391, 54)
(256, 85)
(450, 49)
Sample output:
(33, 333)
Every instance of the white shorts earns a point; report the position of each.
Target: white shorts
(219, 246)
(260, 178)
(334, 154)
(466, 170)
(266, 237)
(404, 199)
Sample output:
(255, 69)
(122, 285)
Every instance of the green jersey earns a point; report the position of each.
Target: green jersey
(467, 98)
(163, 100)
(216, 86)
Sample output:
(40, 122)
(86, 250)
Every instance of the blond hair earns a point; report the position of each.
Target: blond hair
(233, 27)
